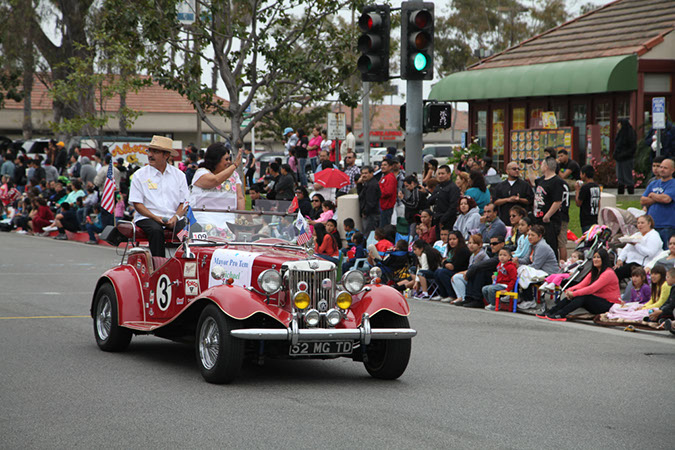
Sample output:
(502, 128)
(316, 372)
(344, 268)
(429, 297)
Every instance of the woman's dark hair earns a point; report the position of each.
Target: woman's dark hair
(335, 235)
(320, 232)
(320, 197)
(606, 263)
(434, 257)
(471, 202)
(478, 180)
(519, 210)
(214, 153)
(461, 243)
(358, 238)
(287, 168)
(330, 205)
(656, 287)
(301, 132)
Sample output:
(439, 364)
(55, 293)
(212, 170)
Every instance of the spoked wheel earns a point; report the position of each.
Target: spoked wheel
(219, 355)
(388, 359)
(110, 337)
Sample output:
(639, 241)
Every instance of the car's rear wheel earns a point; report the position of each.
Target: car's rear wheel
(219, 355)
(388, 359)
(110, 337)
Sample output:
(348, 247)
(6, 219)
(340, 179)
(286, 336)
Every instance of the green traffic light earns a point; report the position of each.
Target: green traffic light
(420, 62)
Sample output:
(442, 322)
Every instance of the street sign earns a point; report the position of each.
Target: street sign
(659, 113)
(185, 12)
(337, 125)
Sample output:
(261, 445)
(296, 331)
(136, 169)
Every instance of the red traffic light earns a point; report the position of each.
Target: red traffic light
(369, 21)
(421, 18)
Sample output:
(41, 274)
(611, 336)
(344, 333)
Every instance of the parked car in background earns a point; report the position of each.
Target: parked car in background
(437, 151)
(264, 160)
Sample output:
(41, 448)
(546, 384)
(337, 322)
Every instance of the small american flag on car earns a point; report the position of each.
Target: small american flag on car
(190, 221)
(108, 199)
(304, 233)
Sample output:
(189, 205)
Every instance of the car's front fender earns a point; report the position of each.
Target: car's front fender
(241, 303)
(128, 291)
(380, 298)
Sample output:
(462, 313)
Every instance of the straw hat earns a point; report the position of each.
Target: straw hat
(164, 144)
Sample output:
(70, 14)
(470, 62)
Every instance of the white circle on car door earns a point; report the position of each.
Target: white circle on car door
(163, 292)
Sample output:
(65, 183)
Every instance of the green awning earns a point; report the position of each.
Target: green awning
(582, 76)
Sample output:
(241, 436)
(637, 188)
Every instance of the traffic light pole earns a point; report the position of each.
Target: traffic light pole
(413, 128)
(365, 112)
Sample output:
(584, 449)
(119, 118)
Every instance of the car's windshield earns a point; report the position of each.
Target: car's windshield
(245, 226)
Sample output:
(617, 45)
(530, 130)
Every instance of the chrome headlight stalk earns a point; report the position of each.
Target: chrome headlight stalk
(270, 281)
(353, 281)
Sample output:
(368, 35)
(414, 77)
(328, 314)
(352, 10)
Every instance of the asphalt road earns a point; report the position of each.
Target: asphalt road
(476, 380)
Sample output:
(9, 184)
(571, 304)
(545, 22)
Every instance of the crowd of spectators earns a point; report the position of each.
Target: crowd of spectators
(466, 230)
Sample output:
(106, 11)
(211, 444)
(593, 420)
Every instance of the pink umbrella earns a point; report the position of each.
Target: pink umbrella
(332, 178)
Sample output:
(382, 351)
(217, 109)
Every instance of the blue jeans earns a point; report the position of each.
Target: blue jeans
(302, 175)
(313, 162)
(385, 216)
(665, 234)
(490, 292)
(443, 279)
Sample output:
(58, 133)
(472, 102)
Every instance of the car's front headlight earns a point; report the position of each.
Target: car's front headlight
(353, 281)
(270, 281)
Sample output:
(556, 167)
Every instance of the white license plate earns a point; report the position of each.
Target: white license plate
(321, 348)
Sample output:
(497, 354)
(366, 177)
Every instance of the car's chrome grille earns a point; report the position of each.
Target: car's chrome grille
(314, 280)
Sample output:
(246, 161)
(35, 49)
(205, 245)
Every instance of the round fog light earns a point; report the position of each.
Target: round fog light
(312, 318)
(344, 300)
(301, 300)
(333, 317)
(375, 272)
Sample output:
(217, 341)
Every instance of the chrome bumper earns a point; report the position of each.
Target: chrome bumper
(293, 334)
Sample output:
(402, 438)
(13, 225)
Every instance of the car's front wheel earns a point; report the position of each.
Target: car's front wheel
(219, 355)
(110, 337)
(388, 359)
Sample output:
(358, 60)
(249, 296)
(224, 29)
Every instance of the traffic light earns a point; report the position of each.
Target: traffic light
(437, 116)
(374, 23)
(417, 41)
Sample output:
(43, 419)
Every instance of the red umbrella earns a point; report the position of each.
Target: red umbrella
(332, 178)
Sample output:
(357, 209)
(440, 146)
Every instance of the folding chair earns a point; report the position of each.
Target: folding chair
(511, 295)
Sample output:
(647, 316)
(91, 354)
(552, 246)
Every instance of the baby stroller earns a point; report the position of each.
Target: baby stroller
(620, 222)
(596, 237)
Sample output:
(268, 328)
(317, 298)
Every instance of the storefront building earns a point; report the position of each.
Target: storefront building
(591, 71)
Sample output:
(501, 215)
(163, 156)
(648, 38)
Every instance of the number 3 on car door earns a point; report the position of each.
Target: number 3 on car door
(163, 293)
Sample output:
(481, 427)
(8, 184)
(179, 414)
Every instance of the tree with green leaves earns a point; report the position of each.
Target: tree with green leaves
(276, 53)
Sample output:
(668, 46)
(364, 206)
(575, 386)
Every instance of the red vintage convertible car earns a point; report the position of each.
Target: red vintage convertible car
(238, 287)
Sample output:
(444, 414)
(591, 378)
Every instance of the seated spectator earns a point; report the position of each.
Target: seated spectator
(66, 220)
(94, 226)
(303, 201)
(639, 289)
(349, 226)
(396, 265)
(475, 244)
(597, 292)
(468, 219)
(665, 312)
(286, 184)
(505, 279)
(356, 251)
(324, 244)
(456, 261)
(327, 212)
(428, 260)
(666, 258)
(119, 207)
(40, 216)
(637, 310)
(478, 190)
(331, 228)
(516, 214)
(382, 245)
(317, 208)
(566, 269)
(492, 225)
(541, 257)
(74, 192)
(441, 245)
(648, 243)
(428, 230)
(523, 247)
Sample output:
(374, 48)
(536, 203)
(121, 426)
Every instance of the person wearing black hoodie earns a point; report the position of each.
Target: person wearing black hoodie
(480, 274)
(625, 146)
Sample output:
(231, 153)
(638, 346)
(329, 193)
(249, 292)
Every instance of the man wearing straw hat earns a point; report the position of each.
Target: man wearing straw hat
(159, 193)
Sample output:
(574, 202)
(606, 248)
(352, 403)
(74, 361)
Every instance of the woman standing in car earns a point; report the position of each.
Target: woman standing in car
(216, 184)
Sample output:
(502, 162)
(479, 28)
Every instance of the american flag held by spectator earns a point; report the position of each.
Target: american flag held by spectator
(108, 199)
(302, 225)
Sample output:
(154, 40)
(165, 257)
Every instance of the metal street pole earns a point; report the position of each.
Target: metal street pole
(366, 123)
(413, 128)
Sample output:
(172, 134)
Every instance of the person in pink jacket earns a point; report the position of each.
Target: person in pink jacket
(597, 292)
